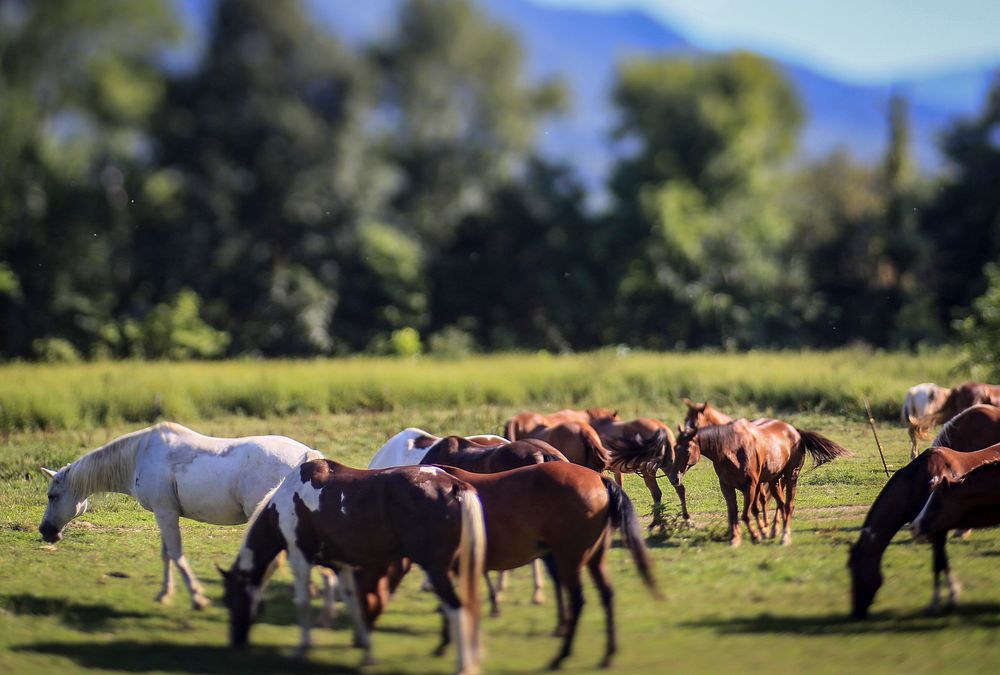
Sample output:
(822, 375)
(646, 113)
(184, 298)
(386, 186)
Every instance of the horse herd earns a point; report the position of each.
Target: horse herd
(459, 507)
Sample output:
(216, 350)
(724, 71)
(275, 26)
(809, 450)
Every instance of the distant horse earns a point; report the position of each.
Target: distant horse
(410, 445)
(174, 471)
(579, 441)
(960, 398)
(523, 424)
(567, 514)
(899, 502)
(921, 400)
(644, 446)
(971, 501)
(748, 456)
(328, 514)
(479, 454)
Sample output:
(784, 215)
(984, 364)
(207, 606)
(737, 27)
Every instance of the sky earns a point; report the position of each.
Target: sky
(865, 41)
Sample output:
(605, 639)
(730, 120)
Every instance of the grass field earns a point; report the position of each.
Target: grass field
(87, 604)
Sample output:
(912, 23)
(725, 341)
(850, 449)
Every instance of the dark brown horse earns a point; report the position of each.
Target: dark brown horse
(578, 441)
(748, 456)
(472, 456)
(960, 398)
(969, 502)
(567, 514)
(523, 424)
(972, 429)
(898, 503)
(327, 514)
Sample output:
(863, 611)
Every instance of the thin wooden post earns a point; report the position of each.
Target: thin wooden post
(871, 423)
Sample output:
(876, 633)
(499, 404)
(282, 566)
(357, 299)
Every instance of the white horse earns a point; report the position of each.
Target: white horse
(921, 400)
(408, 448)
(173, 472)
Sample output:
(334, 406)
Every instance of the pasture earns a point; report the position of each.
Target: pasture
(87, 603)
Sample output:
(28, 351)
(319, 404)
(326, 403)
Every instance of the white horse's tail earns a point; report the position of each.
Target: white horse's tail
(471, 564)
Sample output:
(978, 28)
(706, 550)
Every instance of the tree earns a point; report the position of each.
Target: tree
(980, 331)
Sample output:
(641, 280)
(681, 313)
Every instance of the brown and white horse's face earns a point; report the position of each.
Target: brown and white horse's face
(63, 506)
(245, 603)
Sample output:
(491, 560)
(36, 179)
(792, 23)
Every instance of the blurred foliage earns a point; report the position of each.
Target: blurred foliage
(981, 329)
(287, 195)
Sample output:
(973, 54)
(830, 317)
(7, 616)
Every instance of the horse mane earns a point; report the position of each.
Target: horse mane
(943, 437)
(113, 463)
(719, 439)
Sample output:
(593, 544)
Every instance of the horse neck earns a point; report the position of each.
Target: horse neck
(713, 416)
(897, 504)
(107, 469)
(264, 541)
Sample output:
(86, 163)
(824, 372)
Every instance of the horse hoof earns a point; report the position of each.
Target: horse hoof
(165, 598)
(933, 609)
(200, 602)
(560, 631)
(368, 660)
(556, 663)
(538, 598)
(689, 523)
(605, 663)
(735, 543)
(495, 613)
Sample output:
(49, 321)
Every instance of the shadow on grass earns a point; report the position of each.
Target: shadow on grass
(135, 657)
(981, 615)
(79, 616)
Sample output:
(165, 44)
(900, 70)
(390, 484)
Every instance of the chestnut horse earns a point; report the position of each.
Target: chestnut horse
(327, 514)
(567, 514)
(899, 502)
(960, 398)
(921, 400)
(578, 441)
(972, 429)
(970, 501)
(524, 423)
(748, 456)
(703, 415)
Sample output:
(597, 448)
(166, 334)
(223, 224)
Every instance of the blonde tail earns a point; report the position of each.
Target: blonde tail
(471, 564)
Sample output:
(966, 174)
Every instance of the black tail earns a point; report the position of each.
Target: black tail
(645, 457)
(623, 517)
(821, 448)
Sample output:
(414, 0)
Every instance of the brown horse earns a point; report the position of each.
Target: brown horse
(898, 503)
(523, 424)
(567, 514)
(644, 446)
(969, 502)
(972, 429)
(703, 415)
(578, 441)
(471, 456)
(748, 456)
(960, 398)
(327, 514)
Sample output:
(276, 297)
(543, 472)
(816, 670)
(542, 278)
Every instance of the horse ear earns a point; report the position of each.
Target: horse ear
(224, 573)
(48, 472)
(688, 403)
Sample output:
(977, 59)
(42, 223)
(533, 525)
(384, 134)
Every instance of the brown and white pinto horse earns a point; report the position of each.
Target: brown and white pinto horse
(523, 424)
(327, 514)
(748, 456)
(898, 503)
(578, 441)
(567, 514)
(962, 397)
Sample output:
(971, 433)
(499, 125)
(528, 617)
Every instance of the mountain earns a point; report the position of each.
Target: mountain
(583, 47)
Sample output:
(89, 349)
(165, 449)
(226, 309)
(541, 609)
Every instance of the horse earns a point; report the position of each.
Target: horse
(972, 429)
(578, 441)
(921, 400)
(567, 514)
(410, 445)
(325, 513)
(174, 471)
(702, 415)
(960, 398)
(899, 502)
(523, 424)
(970, 501)
(479, 454)
(748, 456)
(643, 446)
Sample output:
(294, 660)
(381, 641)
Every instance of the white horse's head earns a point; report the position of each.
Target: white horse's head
(64, 505)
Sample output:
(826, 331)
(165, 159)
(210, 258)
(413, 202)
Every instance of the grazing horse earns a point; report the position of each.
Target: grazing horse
(643, 446)
(969, 502)
(899, 502)
(960, 398)
(567, 514)
(921, 400)
(578, 441)
(410, 445)
(327, 514)
(523, 424)
(479, 454)
(748, 456)
(173, 472)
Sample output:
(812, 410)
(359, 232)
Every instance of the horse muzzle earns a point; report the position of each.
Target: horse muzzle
(50, 533)
(918, 536)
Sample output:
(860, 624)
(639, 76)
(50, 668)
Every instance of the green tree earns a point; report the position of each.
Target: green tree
(980, 331)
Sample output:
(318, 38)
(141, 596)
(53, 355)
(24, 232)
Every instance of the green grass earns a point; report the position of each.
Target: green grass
(85, 395)
(87, 604)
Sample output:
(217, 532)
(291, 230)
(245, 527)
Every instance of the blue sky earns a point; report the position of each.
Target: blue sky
(863, 41)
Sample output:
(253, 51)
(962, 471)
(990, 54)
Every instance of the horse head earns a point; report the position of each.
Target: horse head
(244, 600)
(866, 574)
(687, 451)
(64, 505)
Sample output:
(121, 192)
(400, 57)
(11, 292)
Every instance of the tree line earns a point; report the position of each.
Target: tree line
(285, 195)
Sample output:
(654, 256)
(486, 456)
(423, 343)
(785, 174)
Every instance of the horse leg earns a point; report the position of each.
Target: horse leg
(302, 575)
(779, 507)
(349, 591)
(562, 620)
(657, 495)
(569, 574)
(494, 596)
(170, 534)
(790, 487)
(459, 620)
(599, 573)
(167, 590)
(749, 501)
(913, 443)
(729, 494)
(330, 588)
(682, 495)
(537, 597)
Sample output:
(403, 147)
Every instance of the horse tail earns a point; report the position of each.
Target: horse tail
(471, 559)
(821, 448)
(510, 429)
(597, 454)
(645, 457)
(622, 515)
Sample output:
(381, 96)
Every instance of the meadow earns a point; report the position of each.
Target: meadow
(86, 604)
